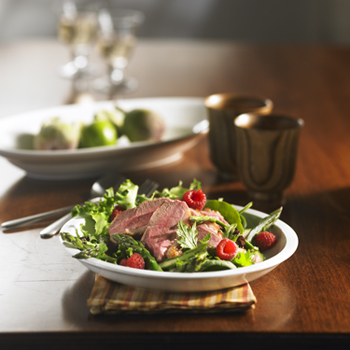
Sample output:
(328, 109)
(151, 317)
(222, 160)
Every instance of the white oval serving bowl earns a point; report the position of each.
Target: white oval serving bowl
(185, 120)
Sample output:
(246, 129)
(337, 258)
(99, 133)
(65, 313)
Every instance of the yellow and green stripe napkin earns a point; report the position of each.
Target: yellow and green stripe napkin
(111, 297)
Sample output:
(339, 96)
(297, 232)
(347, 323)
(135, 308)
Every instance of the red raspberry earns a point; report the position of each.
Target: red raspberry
(123, 262)
(195, 199)
(135, 261)
(264, 240)
(226, 249)
(116, 211)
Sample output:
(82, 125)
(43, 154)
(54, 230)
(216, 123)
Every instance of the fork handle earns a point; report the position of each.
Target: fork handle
(33, 218)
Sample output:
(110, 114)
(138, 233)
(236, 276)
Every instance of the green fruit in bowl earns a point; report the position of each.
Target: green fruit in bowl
(115, 116)
(143, 125)
(56, 134)
(98, 133)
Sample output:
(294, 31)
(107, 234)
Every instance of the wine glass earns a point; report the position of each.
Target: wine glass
(77, 28)
(115, 43)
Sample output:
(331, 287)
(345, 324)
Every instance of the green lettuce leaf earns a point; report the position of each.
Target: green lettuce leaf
(97, 215)
(230, 213)
(187, 236)
(126, 195)
(216, 265)
(247, 258)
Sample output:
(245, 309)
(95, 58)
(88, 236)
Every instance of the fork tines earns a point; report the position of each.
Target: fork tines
(148, 187)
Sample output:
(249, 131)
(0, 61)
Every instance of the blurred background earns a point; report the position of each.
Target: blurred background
(257, 21)
(31, 53)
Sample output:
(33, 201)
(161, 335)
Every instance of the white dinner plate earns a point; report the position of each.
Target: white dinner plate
(185, 120)
(287, 243)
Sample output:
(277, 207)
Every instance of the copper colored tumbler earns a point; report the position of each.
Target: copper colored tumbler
(267, 153)
(222, 109)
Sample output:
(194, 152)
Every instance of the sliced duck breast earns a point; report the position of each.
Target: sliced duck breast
(161, 230)
(134, 221)
(156, 221)
(209, 227)
(213, 229)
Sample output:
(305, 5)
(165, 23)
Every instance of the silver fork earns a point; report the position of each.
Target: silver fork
(147, 188)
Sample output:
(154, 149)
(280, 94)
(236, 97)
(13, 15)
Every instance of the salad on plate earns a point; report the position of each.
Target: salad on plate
(174, 230)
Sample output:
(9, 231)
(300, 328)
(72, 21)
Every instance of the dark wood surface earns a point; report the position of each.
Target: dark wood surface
(303, 304)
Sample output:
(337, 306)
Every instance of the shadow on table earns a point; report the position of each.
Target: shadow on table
(327, 208)
(75, 310)
(322, 217)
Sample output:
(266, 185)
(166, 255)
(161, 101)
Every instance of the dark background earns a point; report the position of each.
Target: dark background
(256, 21)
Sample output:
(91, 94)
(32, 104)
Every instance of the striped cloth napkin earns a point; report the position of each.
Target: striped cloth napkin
(111, 297)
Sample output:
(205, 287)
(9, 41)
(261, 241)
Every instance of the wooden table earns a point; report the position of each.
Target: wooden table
(304, 303)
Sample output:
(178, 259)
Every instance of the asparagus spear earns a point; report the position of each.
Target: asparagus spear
(87, 250)
(185, 257)
(264, 224)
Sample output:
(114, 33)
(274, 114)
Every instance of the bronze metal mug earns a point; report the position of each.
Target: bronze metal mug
(267, 153)
(222, 109)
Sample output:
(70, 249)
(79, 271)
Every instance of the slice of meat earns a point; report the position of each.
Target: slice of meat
(134, 221)
(210, 227)
(161, 230)
(213, 229)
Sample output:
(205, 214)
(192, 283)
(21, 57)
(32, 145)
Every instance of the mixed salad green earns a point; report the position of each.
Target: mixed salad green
(93, 239)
